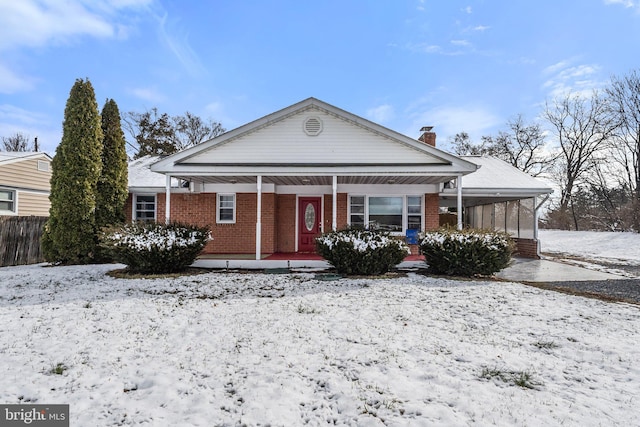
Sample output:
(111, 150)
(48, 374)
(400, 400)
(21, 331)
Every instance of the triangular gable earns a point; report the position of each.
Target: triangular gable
(8, 157)
(312, 133)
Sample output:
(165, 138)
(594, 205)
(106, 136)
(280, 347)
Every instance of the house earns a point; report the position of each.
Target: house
(24, 183)
(272, 185)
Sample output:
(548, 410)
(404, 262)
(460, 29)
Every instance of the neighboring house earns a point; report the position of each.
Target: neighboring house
(24, 184)
(274, 184)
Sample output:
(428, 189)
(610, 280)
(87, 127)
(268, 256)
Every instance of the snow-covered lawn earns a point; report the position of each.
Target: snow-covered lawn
(231, 348)
(617, 248)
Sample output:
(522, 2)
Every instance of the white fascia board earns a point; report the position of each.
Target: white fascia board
(149, 190)
(342, 170)
(497, 192)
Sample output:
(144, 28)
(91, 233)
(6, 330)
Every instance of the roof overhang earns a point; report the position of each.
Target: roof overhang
(483, 196)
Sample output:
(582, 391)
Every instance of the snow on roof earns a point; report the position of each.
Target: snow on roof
(141, 176)
(13, 156)
(498, 174)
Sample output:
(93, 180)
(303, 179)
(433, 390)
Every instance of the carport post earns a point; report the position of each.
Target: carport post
(459, 188)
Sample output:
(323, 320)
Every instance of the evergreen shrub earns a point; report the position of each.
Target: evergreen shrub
(155, 248)
(361, 252)
(468, 252)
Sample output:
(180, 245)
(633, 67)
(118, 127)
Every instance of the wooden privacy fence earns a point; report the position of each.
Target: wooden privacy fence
(20, 239)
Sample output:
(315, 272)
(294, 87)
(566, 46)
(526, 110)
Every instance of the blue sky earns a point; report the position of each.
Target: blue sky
(456, 65)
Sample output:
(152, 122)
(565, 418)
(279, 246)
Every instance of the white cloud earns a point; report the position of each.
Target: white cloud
(32, 124)
(625, 3)
(448, 121)
(564, 77)
(467, 10)
(179, 46)
(148, 94)
(11, 82)
(460, 43)
(382, 113)
(481, 28)
(35, 23)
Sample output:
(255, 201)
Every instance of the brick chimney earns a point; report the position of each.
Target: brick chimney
(427, 136)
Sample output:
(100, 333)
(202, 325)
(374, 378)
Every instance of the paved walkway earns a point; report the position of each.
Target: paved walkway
(522, 270)
(542, 270)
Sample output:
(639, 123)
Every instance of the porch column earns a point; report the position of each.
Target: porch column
(334, 211)
(167, 200)
(259, 218)
(459, 188)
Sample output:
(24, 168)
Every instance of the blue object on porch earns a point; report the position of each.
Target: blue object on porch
(412, 236)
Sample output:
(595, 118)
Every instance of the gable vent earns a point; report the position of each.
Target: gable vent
(312, 126)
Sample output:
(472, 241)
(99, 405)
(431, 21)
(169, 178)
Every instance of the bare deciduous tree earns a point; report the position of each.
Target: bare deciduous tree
(161, 134)
(624, 100)
(582, 128)
(523, 146)
(17, 142)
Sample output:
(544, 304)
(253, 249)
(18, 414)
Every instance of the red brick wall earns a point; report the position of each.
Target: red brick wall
(341, 219)
(240, 237)
(431, 211)
(128, 208)
(286, 223)
(527, 248)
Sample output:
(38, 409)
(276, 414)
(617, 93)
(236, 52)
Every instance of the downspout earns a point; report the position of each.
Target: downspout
(459, 207)
(259, 218)
(167, 202)
(334, 210)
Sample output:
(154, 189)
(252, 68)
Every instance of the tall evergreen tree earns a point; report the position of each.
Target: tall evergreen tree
(70, 232)
(113, 182)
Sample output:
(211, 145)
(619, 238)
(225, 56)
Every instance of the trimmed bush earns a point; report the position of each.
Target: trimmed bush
(154, 248)
(361, 252)
(467, 252)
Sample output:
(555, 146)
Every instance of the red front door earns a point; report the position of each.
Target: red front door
(308, 223)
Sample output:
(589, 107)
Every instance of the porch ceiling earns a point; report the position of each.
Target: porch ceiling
(318, 180)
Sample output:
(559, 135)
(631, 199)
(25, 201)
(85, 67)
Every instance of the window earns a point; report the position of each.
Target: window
(357, 212)
(7, 201)
(388, 213)
(385, 213)
(145, 207)
(226, 211)
(414, 213)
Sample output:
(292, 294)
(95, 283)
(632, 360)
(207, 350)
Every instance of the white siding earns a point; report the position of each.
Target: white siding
(340, 142)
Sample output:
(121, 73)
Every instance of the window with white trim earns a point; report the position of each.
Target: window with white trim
(389, 213)
(145, 207)
(7, 201)
(226, 208)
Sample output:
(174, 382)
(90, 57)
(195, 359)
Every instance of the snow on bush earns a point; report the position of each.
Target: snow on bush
(468, 252)
(153, 247)
(361, 252)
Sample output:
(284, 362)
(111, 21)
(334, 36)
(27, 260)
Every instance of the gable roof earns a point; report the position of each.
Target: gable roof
(141, 176)
(495, 181)
(7, 157)
(285, 143)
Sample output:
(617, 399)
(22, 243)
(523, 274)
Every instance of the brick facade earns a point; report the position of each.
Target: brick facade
(278, 219)
(527, 248)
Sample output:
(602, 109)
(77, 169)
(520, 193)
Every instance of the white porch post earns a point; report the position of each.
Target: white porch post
(459, 188)
(167, 203)
(334, 211)
(259, 218)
